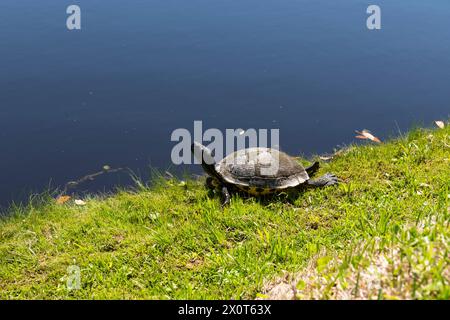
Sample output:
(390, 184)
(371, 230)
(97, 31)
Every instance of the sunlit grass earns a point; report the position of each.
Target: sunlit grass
(173, 241)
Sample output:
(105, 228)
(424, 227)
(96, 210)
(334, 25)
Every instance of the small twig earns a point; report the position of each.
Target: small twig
(89, 177)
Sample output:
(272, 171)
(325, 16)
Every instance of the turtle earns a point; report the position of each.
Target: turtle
(257, 171)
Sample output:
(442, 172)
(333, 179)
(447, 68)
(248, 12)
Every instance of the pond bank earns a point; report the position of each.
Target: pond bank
(173, 241)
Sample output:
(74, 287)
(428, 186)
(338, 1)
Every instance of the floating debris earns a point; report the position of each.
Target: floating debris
(90, 177)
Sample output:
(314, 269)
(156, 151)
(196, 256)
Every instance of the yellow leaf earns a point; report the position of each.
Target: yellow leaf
(62, 199)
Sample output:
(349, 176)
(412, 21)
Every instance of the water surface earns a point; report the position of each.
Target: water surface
(112, 93)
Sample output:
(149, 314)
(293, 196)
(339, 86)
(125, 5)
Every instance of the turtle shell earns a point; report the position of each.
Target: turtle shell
(261, 170)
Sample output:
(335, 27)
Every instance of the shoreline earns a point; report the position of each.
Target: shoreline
(173, 241)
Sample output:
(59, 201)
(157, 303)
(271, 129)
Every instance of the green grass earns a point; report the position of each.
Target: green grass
(383, 233)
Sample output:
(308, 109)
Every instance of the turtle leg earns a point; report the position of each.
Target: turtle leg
(312, 169)
(328, 179)
(210, 183)
(226, 196)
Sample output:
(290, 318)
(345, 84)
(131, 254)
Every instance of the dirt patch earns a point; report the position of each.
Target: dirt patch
(376, 272)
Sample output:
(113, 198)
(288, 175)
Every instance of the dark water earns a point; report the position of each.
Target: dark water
(112, 93)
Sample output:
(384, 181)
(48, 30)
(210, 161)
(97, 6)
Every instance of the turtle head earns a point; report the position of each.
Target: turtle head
(204, 155)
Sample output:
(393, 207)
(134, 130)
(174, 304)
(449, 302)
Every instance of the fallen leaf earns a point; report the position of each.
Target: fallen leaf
(365, 134)
(325, 158)
(80, 202)
(440, 124)
(62, 199)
